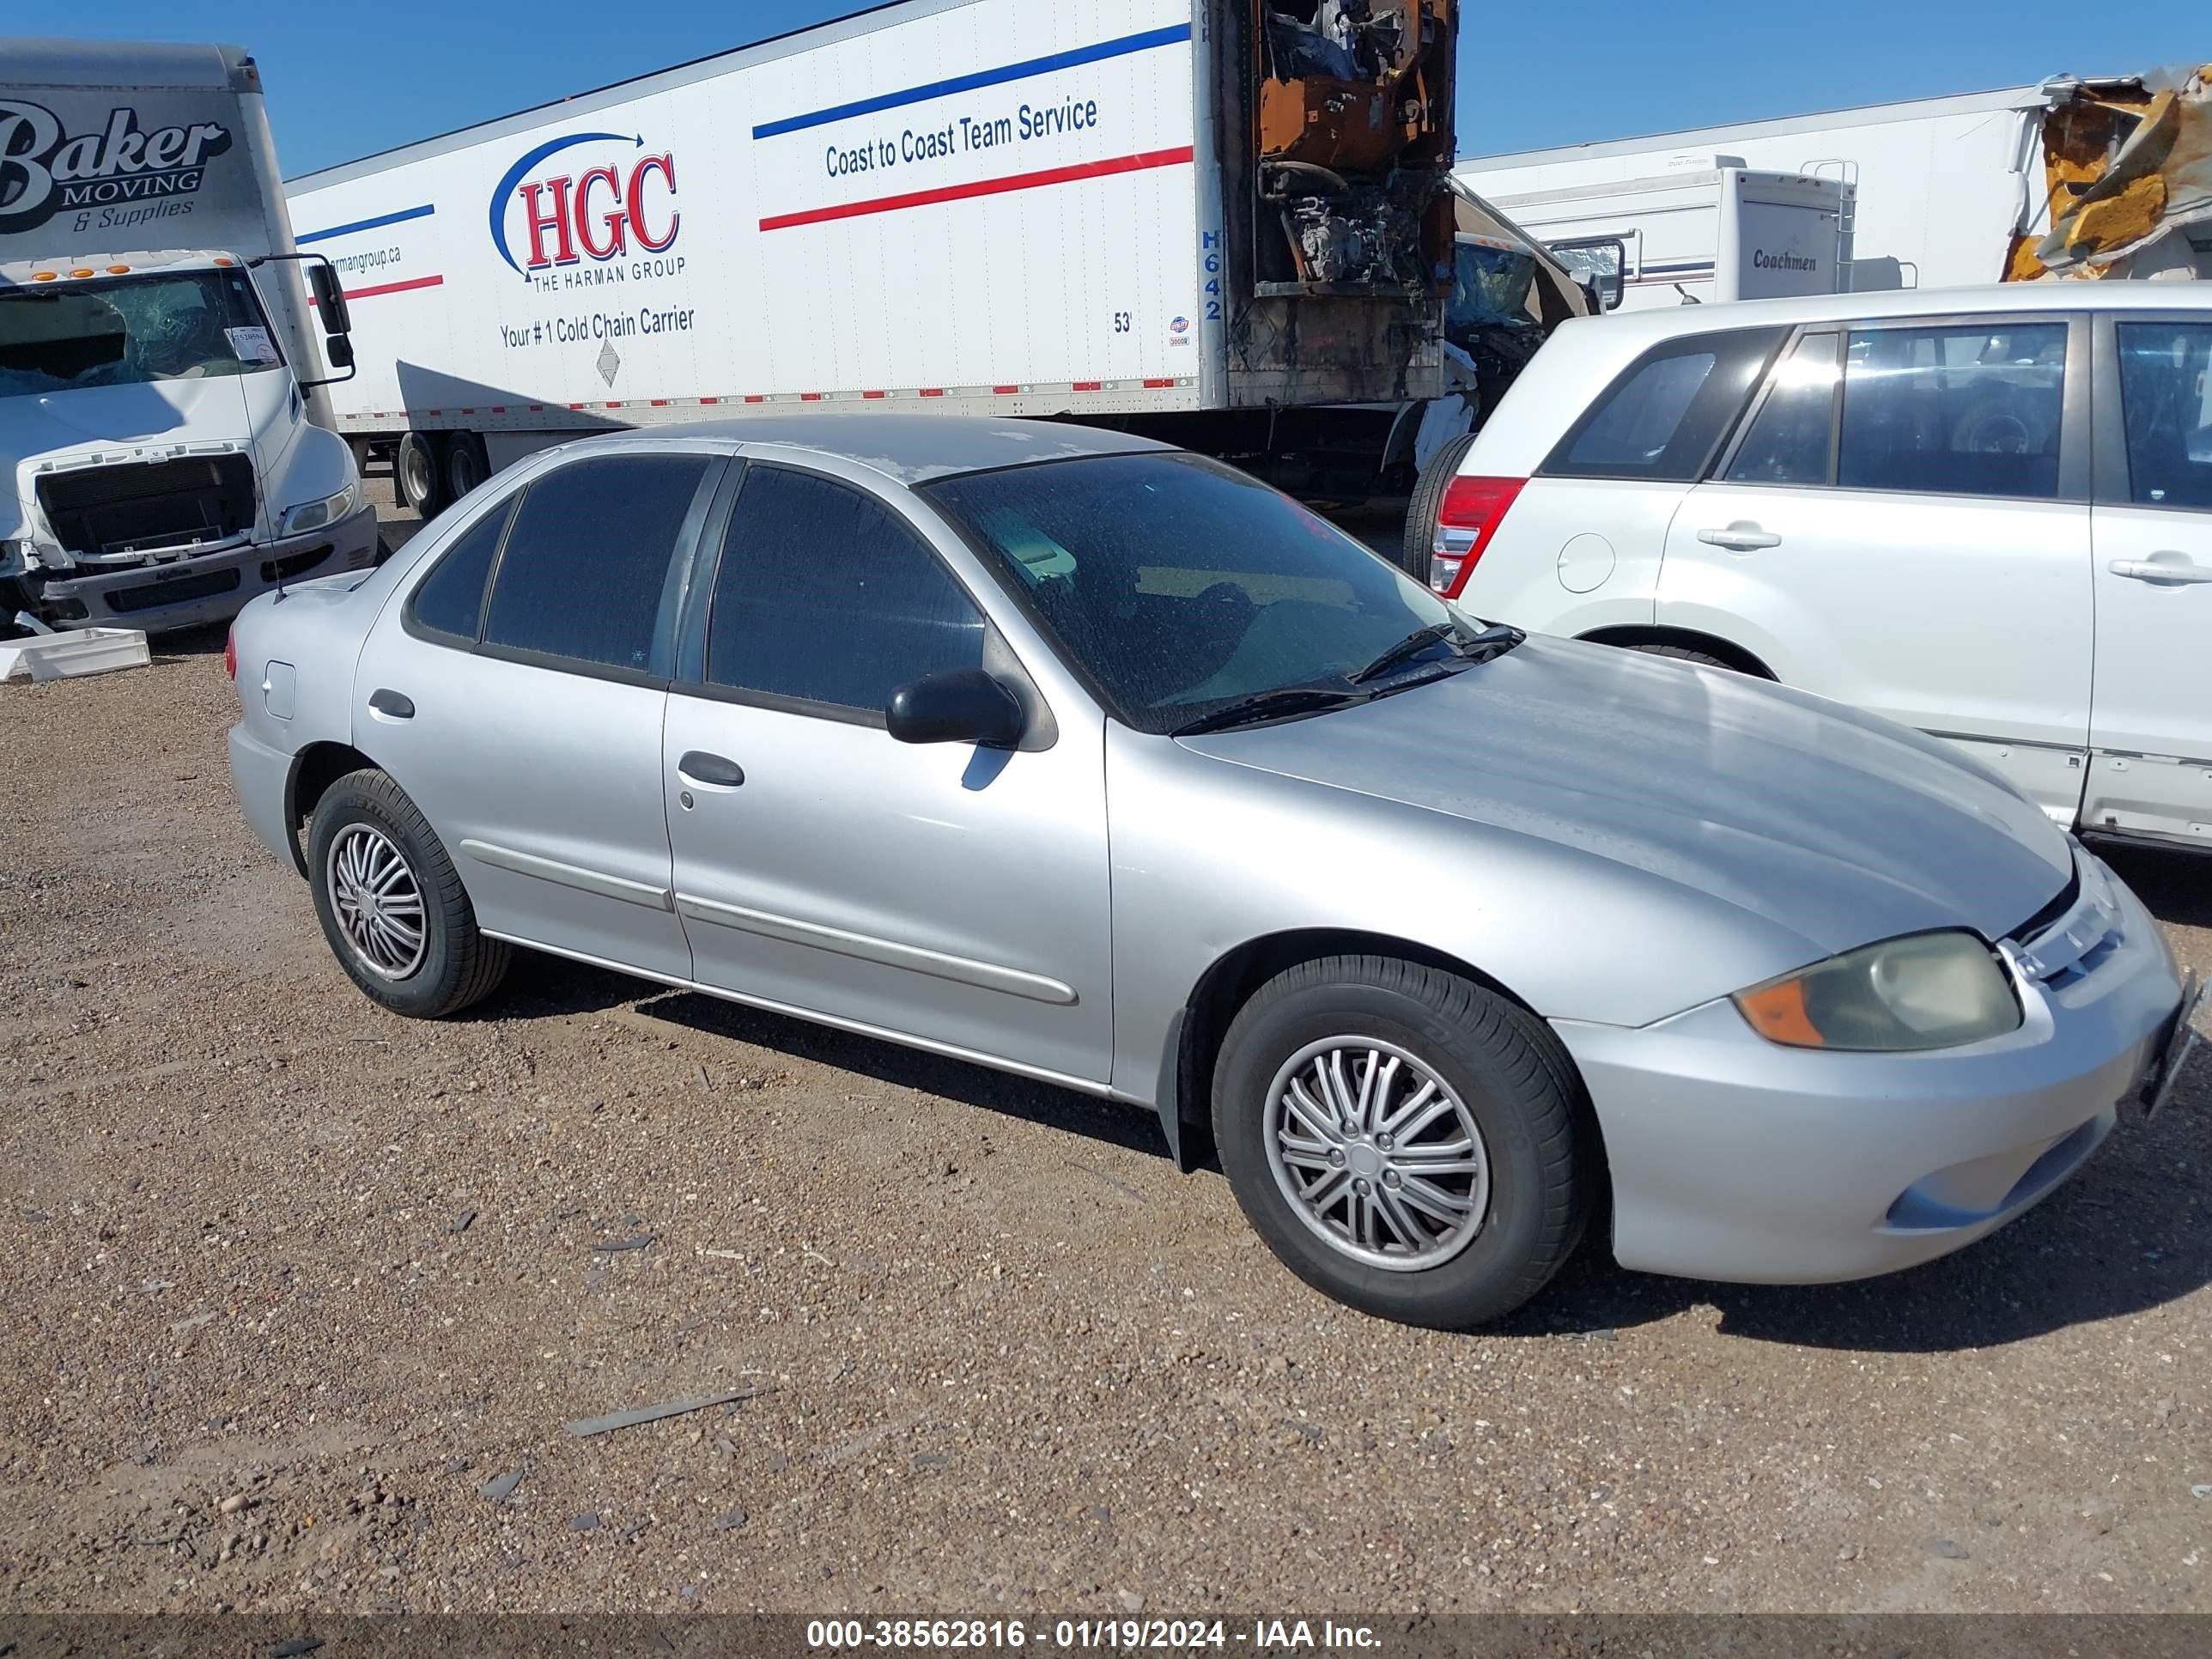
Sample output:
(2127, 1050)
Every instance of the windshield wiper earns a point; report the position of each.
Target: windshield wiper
(1492, 641)
(1267, 705)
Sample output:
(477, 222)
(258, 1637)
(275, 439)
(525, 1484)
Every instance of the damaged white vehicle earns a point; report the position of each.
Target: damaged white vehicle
(166, 451)
(164, 468)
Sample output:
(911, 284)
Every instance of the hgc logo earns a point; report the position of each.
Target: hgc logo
(600, 213)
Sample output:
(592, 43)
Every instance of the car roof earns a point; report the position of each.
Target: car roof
(2013, 298)
(910, 448)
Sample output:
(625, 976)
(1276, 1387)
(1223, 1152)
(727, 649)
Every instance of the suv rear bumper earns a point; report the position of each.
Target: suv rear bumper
(212, 588)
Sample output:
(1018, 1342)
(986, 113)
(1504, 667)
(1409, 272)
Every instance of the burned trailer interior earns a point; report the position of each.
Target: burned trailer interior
(1333, 141)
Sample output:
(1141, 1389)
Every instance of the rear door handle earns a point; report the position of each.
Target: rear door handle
(391, 705)
(2151, 570)
(709, 771)
(1740, 537)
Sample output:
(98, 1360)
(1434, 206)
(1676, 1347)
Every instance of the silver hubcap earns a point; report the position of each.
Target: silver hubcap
(378, 903)
(1378, 1157)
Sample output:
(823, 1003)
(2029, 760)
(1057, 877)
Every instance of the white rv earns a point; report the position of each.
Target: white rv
(165, 450)
(1941, 192)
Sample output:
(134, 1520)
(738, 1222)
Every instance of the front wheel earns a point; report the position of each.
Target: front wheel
(1406, 1141)
(392, 906)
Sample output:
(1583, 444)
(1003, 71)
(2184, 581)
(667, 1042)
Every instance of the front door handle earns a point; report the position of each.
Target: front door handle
(2151, 570)
(709, 771)
(391, 705)
(1740, 536)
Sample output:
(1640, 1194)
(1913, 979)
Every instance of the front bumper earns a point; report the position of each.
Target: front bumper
(212, 588)
(1733, 1158)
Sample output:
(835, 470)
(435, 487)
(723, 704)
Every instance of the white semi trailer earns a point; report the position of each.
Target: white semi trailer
(166, 441)
(1228, 223)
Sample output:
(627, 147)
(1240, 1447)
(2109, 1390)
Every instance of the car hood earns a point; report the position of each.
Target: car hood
(1839, 826)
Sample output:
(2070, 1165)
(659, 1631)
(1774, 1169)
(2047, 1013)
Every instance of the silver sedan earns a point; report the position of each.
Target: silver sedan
(1074, 755)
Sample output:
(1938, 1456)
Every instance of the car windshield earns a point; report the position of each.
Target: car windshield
(1182, 586)
(1490, 286)
(163, 326)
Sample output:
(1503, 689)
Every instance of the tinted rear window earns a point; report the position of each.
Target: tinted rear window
(1951, 410)
(585, 575)
(450, 599)
(1664, 417)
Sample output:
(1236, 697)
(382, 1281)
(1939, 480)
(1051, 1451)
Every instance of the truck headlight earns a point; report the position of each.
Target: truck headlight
(317, 515)
(1923, 991)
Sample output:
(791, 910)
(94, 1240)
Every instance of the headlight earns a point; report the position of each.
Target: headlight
(314, 515)
(1925, 991)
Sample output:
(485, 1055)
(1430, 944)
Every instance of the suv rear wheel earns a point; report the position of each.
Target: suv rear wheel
(1404, 1139)
(1427, 502)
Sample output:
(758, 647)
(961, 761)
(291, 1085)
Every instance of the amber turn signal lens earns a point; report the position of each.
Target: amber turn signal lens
(1778, 1014)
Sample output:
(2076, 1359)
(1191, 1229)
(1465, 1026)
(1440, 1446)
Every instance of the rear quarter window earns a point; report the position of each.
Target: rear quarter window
(1666, 415)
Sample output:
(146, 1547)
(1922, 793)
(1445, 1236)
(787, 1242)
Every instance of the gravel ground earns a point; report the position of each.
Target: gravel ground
(295, 1291)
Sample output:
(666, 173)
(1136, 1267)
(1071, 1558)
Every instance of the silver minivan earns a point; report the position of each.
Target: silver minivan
(1984, 513)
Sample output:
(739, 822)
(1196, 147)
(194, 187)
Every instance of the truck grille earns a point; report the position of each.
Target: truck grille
(150, 594)
(149, 507)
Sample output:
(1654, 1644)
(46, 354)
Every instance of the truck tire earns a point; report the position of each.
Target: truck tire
(465, 465)
(1428, 501)
(418, 475)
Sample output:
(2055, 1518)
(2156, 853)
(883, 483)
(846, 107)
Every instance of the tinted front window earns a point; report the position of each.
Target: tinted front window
(1664, 417)
(827, 596)
(1962, 411)
(586, 573)
(1181, 586)
(2165, 395)
(1788, 438)
(450, 599)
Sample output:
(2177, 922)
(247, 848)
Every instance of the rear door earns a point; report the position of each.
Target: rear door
(517, 693)
(2151, 722)
(1904, 524)
(1576, 548)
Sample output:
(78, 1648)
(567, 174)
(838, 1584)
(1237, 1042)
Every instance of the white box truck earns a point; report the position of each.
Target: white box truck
(1226, 221)
(1697, 234)
(166, 441)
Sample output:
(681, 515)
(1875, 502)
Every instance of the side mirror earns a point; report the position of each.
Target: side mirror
(329, 300)
(963, 706)
(339, 350)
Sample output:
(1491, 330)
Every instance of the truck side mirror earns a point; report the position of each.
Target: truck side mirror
(339, 350)
(329, 300)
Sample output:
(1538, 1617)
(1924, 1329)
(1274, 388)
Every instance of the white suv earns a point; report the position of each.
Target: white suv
(1986, 513)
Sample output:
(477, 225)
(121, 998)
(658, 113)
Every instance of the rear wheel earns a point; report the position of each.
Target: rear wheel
(465, 465)
(418, 476)
(1427, 502)
(391, 906)
(1404, 1139)
(1682, 654)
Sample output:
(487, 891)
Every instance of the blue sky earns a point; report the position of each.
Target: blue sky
(347, 80)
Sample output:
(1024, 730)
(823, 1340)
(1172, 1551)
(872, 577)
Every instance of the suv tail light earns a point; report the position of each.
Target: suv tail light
(230, 653)
(1472, 509)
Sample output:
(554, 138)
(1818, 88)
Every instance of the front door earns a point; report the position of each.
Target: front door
(2152, 722)
(517, 693)
(941, 892)
(1900, 526)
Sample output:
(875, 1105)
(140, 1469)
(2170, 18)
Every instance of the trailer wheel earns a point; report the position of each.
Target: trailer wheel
(1428, 501)
(465, 465)
(418, 479)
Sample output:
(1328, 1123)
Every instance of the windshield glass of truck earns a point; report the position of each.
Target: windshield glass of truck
(1182, 586)
(185, 327)
(1490, 285)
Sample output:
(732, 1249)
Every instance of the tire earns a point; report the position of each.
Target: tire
(1428, 501)
(455, 964)
(465, 465)
(1507, 1075)
(418, 475)
(1683, 653)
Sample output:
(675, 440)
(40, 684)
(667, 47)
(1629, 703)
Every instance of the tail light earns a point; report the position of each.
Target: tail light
(230, 654)
(1472, 511)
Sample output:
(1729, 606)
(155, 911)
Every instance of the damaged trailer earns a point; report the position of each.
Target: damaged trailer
(1227, 222)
